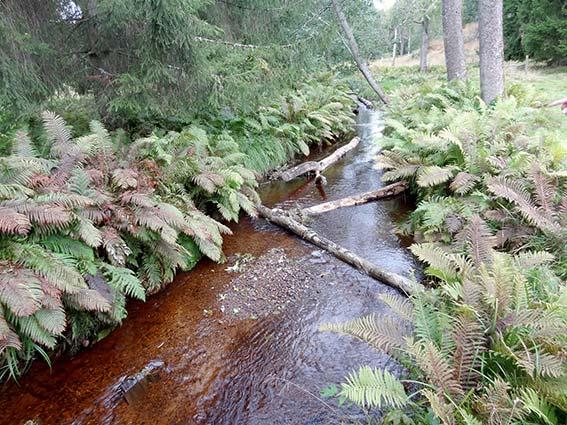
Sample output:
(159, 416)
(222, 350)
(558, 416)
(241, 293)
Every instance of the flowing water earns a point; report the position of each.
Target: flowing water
(170, 363)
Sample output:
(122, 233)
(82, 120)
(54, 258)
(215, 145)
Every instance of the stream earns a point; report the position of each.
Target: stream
(188, 356)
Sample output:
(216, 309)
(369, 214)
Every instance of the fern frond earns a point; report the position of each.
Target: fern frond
(20, 290)
(382, 333)
(374, 388)
(57, 130)
(514, 192)
(52, 320)
(402, 306)
(12, 222)
(438, 369)
(479, 239)
(434, 175)
(463, 183)
(124, 280)
(441, 264)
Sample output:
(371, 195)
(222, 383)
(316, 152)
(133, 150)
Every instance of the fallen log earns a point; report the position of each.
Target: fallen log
(283, 219)
(362, 198)
(318, 166)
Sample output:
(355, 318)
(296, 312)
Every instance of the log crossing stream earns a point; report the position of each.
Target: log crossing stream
(189, 356)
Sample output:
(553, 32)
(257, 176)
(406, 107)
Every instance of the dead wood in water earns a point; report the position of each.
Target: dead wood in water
(318, 166)
(283, 219)
(360, 199)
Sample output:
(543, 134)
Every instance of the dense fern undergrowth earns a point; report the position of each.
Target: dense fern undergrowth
(487, 344)
(89, 219)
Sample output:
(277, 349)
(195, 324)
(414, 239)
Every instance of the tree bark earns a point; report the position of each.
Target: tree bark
(360, 199)
(319, 166)
(394, 48)
(283, 219)
(453, 39)
(491, 49)
(424, 44)
(362, 66)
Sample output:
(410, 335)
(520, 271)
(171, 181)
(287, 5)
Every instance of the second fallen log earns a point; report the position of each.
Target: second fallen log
(319, 166)
(362, 198)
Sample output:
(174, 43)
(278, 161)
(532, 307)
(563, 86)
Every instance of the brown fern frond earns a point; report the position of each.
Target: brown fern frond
(116, 249)
(47, 215)
(470, 342)
(540, 364)
(439, 371)
(125, 178)
(463, 183)
(544, 188)
(478, 237)
(20, 290)
(514, 192)
(498, 406)
(12, 222)
(440, 407)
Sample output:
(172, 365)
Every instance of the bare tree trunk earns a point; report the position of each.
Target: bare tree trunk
(453, 39)
(394, 48)
(424, 44)
(491, 49)
(362, 66)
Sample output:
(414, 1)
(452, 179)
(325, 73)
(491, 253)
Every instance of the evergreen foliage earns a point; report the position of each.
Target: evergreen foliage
(537, 28)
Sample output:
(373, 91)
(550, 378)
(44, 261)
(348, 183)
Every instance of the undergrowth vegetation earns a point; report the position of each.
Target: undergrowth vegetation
(87, 222)
(486, 344)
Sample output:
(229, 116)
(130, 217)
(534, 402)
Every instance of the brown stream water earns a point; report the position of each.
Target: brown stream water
(221, 369)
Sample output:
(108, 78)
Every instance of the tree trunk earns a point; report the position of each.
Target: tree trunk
(319, 166)
(283, 219)
(453, 39)
(424, 44)
(362, 66)
(394, 47)
(491, 49)
(389, 191)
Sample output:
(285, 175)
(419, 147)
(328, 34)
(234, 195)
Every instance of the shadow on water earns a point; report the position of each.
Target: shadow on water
(170, 363)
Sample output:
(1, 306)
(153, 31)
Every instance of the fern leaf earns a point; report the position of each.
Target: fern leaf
(52, 320)
(514, 192)
(463, 183)
(402, 306)
(56, 129)
(443, 410)
(440, 262)
(434, 175)
(124, 280)
(479, 239)
(382, 333)
(91, 300)
(12, 222)
(20, 291)
(537, 405)
(543, 188)
(374, 388)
